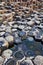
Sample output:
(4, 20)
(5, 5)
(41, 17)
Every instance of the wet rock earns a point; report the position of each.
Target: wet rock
(30, 39)
(10, 61)
(29, 53)
(9, 38)
(17, 40)
(30, 23)
(22, 34)
(19, 55)
(31, 33)
(2, 41)
(38, 37)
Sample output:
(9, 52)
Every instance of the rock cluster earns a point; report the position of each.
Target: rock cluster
(19, 23)
(8, 58)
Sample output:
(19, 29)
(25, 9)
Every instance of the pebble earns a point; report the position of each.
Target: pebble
(22, 34)
(6, 34)
(38, 60)
(21, 26)
(30, 33)
(1, 60)
(32, 16)
(15, 26)
(42, 39)
(38, 37)
(2, 29)
(8, 29)
(30, 23)
(2, 33)
(17, 40)
(7, 53)
(29, 53)
(2, 41)
(10, 61)
(37, 22)
(28, 19)
(19, 55)
(27, 62)
(9, 38)
(30, 39)
(41, 25)
(13, 30)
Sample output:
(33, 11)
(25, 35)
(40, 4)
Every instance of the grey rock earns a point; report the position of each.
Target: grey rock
(38, 60)
(7, 53)
(9, 38)
(27, 62)
(1, 60)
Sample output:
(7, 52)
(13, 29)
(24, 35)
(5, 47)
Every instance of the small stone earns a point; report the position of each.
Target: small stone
(1, 60)
(37, 22)
(2, 41)
(38, 37)
(22, 34)
(10, 61)
(7, 53)
(30, 23)
(9, 38)
(38, 60)
(17, 40)
(27, 62)
(19, 55)
(29, 53)
(30, 39)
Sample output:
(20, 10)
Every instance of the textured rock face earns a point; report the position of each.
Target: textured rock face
(38, 60)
